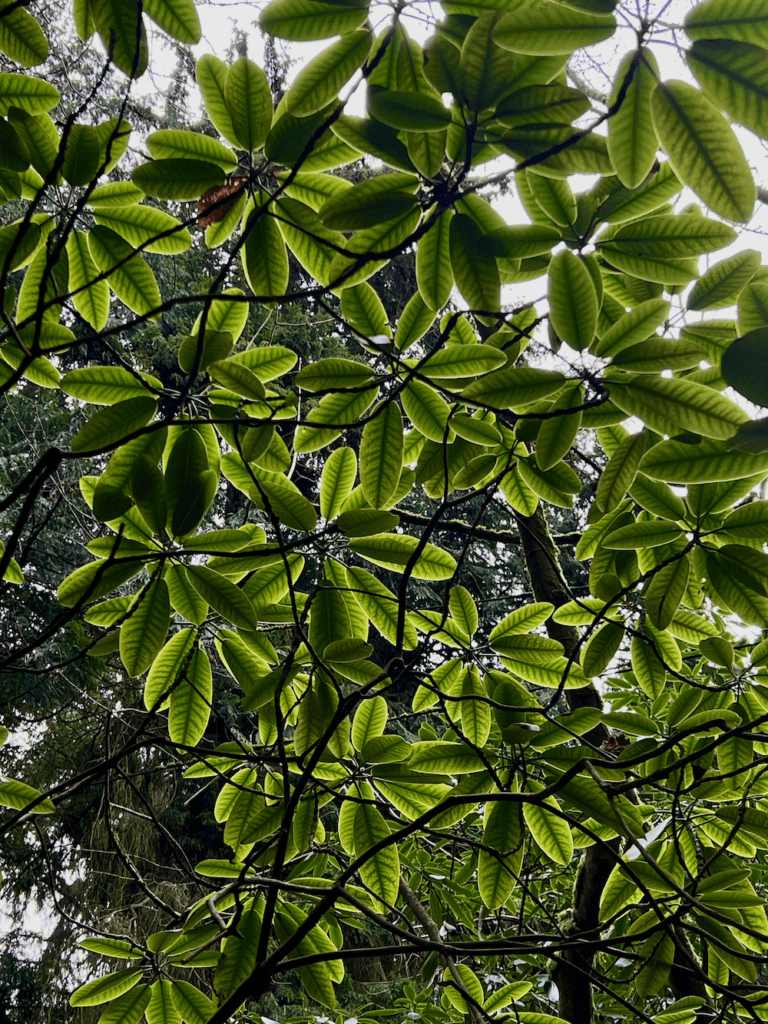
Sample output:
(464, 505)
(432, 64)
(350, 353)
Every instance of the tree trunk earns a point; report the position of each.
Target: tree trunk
(572, 973)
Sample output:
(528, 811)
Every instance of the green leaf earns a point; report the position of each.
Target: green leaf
(379, 604)
(719, 19)
(459, 361)
(43, 283)
(319, 81)
(651, 268)
(239, 951)
(123, 34)
(114, 136)
(669, 237)
(309, 140)
(175, 143)
(176, 17)
(736, 594)
(665, 592)
(409, 111)
(554, 675)
(572, 299)
(502, 833)
(191, 702)
(369, 721)
(146, 227)
(113, 424)
(723, 281)
(314, 190)
(127, 1008)
(475, 712)
(366, 522)
(549, 830)
(395, 551)
(555, 485)
(211, 75)
(14, 155)
(658, 354)
(522, 620)
(601, 648)
(110, 986)
(265, 260)
(649, 670)
(550, 30)
(433, 267)
(631, 138)
(337, 481)
(703, 150)
(115, 194)
(147, 488)
(370, 202)
(733, 75)
(513, 386)
(34, 95)
(649, 534)
(414, 322)
(672, 405)
(41, 144)
(303, 20)
(336, 409)
(21, 38)
(381, 872)
(362, 308)
(484, 69)
(658, 952)
(144, 630)
(165, 669)
(470, 984)
(160, 1009)
(184, 598)
(128, 275)
(679, 463)
(744, 366)
(237, 379)
(541, 104)
(193, 1005)
(474, 267)
(749, 522)
(266, 361)
(528, 649)
(440, 757)
(523, 240)
(249, 102)
(91, 297)
(381, 454)
(476, 430)
(177, 178)
(620, 472)
(112, 947)
(81, 155)
(223, 596)
(463, 610)
(91, 581)
(290, 506)
(19, 795)
(105, 385)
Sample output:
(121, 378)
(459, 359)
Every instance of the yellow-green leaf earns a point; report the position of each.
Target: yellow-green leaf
(703, 149)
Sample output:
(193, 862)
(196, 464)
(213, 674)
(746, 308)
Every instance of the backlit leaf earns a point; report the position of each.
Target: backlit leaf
(703, 150)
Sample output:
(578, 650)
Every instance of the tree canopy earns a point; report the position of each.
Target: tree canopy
(357, 607)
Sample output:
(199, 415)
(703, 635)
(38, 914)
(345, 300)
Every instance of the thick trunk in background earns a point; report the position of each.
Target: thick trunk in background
(572, 973)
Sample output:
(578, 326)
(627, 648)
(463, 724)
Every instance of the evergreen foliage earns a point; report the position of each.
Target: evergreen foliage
(416, 625)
